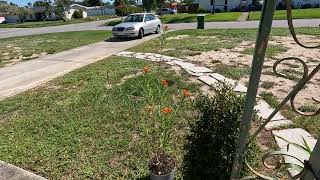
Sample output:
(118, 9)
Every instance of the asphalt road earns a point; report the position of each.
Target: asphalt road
(99, 25)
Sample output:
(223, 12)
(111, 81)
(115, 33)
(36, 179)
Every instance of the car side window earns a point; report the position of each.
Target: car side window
(146, 18)
(150, 17)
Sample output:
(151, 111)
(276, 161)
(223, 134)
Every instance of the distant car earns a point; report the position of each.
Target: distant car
(167, 11)
(3, 20)
(137, 25)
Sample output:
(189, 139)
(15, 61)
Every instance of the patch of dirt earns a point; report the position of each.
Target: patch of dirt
(3, 119)
(282, 86)
(178, 37)
(124, 79)
(49, 86)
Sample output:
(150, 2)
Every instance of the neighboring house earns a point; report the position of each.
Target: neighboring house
(89, 11)
(303, 3)
(9, 18)
(236, 5)
(222, 5)
(37, 14)
(41, 13)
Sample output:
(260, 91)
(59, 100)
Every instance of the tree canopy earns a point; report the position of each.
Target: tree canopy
(92, 3)
(42, 3)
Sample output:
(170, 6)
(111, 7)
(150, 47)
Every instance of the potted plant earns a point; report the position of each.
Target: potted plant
(162, 166)
(162, 115)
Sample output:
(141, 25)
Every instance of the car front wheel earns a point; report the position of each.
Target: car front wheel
(158, 29)
(140, 36)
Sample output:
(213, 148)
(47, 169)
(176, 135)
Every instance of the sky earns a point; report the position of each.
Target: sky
(24, 2)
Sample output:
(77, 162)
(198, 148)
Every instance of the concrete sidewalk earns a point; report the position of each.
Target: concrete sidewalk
(23, 76)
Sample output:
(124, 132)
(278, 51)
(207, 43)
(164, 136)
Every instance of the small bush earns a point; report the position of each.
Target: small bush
(77, 14)
(212, 140)
(218, 11)
(124, 11)
(200, 10)
(306, 6)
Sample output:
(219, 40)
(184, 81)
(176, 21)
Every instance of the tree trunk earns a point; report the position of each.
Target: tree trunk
(213, 6)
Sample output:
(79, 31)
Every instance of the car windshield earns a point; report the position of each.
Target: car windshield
(134, 18)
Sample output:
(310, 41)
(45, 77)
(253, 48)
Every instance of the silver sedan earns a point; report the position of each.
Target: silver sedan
(137, 25)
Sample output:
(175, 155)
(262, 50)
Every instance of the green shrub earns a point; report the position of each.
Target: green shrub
(77, 14)
(212, 140)
(200, 10)
(124, 11)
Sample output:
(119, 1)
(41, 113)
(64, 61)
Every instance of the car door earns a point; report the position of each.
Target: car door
(154, 22)
(148, 24)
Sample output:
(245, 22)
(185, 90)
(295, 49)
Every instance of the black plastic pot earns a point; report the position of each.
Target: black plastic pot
(169, 176)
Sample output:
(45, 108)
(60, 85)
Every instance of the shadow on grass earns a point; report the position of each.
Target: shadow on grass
(124, 39)
(113, 23)
(188, 19)
(145, 177)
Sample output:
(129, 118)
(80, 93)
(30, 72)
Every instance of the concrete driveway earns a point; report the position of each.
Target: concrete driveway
(26, 75)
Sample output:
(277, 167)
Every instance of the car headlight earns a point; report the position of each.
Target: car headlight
(130, 28)
(114, 29)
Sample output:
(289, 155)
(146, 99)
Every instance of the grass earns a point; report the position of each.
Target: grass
(77, 127)
(36, 24)
(233, 72)
(272, 50)
(270, 99)
(22, 48)
(188, 18)
(267, 84)
(311, 13)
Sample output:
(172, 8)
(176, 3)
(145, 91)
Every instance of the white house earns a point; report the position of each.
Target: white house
(222, 5)
(89, 11)
(301, 3)
(229, 5)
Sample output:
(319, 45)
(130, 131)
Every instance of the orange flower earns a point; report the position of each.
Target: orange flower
(165, 82)
(186, 93)
(167, 110)
(146, 69)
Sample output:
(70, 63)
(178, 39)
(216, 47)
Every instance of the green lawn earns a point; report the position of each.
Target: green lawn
(13, 50)
(36, 24)
(187, 18)
(297, 14)
(92, 124)
(86, 125)
(213, 39)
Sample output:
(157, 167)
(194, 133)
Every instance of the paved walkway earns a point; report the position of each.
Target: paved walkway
(99, 25)
(243, 17)
(23, 76)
